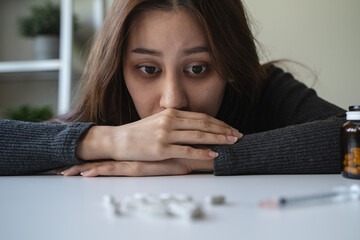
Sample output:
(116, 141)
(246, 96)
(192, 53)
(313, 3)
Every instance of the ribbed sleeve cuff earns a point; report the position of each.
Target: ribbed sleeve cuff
(65, 142)
(30, 148)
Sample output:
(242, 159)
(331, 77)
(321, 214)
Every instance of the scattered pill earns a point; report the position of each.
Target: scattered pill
(180, 205)
(154, 209)
(215, 199)
(112, 207)
(188, 210)
(181, 197)
(108, 200)
(166, 197)
(141, 196)
(131, 203)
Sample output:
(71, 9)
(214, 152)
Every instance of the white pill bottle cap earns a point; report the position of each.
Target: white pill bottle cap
(353, 113)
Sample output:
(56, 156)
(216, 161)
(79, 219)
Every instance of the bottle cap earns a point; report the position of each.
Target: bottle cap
(353, 115)
(354, 108)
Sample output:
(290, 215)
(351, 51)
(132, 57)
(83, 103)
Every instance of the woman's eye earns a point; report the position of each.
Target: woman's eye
(149, 69)
(195, 69)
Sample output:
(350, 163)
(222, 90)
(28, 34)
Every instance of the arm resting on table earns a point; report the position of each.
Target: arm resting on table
(29, 148)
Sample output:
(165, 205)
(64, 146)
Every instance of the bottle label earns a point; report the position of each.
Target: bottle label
(352, 161)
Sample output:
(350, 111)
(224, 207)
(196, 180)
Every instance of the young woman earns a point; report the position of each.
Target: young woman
(175, 86)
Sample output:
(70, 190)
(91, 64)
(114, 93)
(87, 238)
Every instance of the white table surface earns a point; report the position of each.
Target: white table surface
(56, 207)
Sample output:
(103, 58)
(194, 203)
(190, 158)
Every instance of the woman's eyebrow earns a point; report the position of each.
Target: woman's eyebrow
(146, 51)
(186, 52)
(194, 50)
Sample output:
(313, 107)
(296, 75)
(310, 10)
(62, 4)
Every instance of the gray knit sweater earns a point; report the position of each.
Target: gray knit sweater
(290, 130)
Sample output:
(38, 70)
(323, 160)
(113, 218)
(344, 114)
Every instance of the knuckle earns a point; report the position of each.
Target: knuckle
(170, 112)
(128, 168)
(188, 151)
(202, 153)
(165, 121)
(162, 135)
(228, 130)
(223, 124)
(159, 150)
(136, 168)
(205, 116)
(111, 167)
(204, 124)
(197, 134)
(222, 139)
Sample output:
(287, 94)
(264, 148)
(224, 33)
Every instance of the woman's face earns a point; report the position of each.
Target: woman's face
(167, 64)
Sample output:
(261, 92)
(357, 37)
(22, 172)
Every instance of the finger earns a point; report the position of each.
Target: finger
(205, 126)
(138, 168)
(76, 169)
(107, 168)
(90, 173)
(60, 170)
(142, 169)
(197, 115)
(88, 169)
(198, 137)
(188, 152)
(168, 167)
(72, 171)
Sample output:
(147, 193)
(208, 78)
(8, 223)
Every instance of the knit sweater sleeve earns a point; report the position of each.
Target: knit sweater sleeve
(30, 148)
(297, 133)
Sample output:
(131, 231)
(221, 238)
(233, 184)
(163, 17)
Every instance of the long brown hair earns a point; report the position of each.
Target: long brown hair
(106, 100)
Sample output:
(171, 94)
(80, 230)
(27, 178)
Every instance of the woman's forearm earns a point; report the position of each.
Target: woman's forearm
(96, 144)
(29, 148)
(312, 147)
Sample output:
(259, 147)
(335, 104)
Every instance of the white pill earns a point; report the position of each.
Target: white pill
(187, 210)
(131, 203)
(166, 196)
(108, 200)
(215, 199)
(147, 198)
(153, 209)
(114, 209)
(141, 196)
(111, 206)
(182, 197)
(153, 199)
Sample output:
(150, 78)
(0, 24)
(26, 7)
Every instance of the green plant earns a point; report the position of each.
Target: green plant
(30, 114)
(44, 19)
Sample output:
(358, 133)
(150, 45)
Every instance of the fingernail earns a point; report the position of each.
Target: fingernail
(232, 139)
(65, 172)
(213, 154)
(237, 134)
(84, 173)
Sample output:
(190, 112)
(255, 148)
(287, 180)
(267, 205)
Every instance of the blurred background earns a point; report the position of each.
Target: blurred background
(323, 35)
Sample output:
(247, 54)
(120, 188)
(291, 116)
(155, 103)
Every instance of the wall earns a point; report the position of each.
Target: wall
(322, 34)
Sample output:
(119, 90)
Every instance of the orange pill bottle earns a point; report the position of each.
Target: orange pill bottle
(350, 134)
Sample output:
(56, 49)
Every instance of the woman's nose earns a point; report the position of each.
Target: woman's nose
(173, 93)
